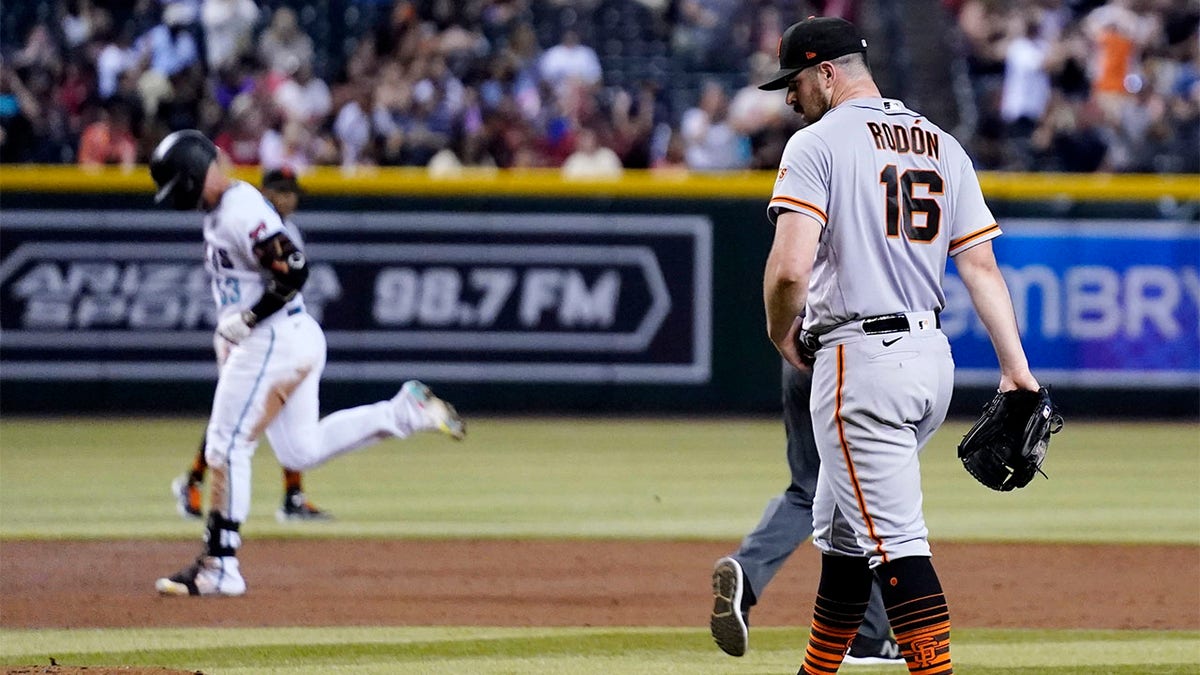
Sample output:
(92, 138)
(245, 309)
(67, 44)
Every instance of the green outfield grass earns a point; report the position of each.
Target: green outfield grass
(562, 477)
(107, 478)
(562, 651)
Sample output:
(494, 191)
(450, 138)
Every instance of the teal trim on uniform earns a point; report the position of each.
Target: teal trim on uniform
(241, 418)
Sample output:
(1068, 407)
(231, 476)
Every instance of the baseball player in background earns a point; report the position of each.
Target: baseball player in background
(870, 200)
(739, 579)
(283, 191)
(271, 353)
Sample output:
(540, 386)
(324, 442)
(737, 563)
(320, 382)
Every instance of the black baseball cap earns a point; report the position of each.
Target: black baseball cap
(811, 41)
(283, 179)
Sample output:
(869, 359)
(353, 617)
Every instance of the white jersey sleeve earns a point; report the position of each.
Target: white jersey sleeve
(804, 178)
(242, 219)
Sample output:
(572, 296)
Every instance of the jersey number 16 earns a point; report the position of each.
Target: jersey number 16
(902, 204)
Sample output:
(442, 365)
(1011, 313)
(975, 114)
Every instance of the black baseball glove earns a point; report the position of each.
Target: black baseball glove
(1007, 445)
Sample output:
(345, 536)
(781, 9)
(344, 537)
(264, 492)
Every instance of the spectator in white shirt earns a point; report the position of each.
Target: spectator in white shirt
(228, 29)
(352, 128)
(710, 142)
(1026, 90)
(304, 97)
(591, 160)
(570, 60)
(115, 58)
(283, 43)
(171, 45)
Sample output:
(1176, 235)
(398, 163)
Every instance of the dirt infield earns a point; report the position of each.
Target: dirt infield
(93, 670)
(73, 584)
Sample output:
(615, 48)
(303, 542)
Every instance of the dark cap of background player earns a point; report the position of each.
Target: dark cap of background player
(811, 41)
(283, 179)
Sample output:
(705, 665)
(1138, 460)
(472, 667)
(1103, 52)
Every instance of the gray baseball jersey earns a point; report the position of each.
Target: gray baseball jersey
(885, 249)
(895, 196)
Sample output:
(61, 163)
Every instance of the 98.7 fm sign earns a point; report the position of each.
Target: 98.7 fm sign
(472, 297)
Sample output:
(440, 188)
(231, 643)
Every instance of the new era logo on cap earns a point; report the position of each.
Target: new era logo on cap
(810, 42)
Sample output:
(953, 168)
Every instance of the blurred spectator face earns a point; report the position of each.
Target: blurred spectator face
(523, 39)
(403, 13)
(586, 142)
(284, 23)
(295, 135)
(712, 99)
(362, 63)
(525, 158)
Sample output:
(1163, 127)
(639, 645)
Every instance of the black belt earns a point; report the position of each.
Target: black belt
(888, 323)
(892, 323)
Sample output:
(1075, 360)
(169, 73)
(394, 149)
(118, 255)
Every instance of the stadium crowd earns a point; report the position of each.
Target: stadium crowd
(1084, 86)
(1062, 85)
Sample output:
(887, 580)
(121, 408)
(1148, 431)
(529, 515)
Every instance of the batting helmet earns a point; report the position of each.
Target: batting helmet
(179, 165)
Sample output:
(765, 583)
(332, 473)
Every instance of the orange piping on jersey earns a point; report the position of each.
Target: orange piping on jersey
(968, 238)
(790, 201)
(858, 493)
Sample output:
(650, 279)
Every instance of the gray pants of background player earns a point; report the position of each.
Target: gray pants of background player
(787, 521)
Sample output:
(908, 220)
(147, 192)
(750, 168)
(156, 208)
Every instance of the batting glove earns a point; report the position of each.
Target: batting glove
(236, 327)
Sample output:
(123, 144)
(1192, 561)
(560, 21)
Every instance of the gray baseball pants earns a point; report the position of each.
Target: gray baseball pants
(787, 521)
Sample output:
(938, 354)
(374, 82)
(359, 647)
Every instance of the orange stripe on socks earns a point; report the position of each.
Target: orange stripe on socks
(842, 596)
(827, 644)
(918, 614)
(927, 651)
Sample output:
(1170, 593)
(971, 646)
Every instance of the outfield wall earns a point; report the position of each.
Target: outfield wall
(522, 292)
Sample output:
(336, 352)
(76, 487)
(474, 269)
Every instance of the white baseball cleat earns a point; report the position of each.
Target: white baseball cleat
(207, 576)
(435, 414)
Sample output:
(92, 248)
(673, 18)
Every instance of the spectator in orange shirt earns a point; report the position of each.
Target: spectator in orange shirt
(109, 139)
(1119, 34)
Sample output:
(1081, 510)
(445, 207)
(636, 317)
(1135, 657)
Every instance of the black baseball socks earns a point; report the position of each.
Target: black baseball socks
(842, 596)
(918, 613)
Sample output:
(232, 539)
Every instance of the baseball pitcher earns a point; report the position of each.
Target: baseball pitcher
(870, 200)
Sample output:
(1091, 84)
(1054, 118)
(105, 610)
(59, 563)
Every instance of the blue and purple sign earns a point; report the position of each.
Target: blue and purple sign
(1099, 303)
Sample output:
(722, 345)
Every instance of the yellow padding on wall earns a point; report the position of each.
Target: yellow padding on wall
(416, 182)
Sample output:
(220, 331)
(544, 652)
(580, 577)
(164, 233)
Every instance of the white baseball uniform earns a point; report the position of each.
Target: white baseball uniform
(269, 382)
(895, 196)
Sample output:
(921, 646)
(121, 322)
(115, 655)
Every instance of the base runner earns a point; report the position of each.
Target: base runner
(272, 354)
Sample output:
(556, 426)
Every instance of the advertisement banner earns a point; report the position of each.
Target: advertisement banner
(511, 297)
(1099, 303)
(566, 298)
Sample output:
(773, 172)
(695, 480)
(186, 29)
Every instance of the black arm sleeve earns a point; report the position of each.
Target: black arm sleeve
(287, 269)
